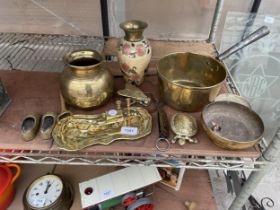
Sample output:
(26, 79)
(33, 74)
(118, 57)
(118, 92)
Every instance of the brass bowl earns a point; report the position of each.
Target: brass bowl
(190, 81)
(231, 125)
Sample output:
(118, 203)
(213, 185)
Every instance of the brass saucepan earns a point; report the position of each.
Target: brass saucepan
(190, 81)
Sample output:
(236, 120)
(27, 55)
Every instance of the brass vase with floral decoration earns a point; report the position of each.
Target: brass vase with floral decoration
(85, 82)
(134, 51)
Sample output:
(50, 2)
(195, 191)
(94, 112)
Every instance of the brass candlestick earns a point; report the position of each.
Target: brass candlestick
(128, 110)
(118, 104)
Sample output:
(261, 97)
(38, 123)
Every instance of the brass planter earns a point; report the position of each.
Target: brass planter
(85, 82)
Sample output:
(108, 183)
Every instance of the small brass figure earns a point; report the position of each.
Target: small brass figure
(185, 127)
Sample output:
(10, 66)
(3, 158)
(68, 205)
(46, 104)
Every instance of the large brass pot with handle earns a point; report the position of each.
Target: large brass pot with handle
(85, 82)
(190, 81)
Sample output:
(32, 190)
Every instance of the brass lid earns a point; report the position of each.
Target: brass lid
(133, 30)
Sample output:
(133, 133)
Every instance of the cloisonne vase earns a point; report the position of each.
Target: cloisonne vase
(134, 51)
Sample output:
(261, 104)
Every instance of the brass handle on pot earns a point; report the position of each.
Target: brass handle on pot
(259, 33)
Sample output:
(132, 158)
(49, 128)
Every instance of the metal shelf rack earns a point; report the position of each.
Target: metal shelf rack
(123, 159)
(24, 55)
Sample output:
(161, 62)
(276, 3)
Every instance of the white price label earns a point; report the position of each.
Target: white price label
(132, 131)
(39, 202)
(107, 194)
(112, 112)
(269, 19)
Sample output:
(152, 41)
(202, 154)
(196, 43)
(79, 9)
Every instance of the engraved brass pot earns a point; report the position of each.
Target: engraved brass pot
(85, 82)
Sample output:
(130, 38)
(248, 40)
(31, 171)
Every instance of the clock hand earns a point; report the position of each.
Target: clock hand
(48, 187)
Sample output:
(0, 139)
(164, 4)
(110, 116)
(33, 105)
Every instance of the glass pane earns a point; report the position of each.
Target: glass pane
(176, 20)
(51, 17)
(255, 69)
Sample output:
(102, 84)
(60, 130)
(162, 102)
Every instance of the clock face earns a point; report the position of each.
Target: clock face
(44, 191)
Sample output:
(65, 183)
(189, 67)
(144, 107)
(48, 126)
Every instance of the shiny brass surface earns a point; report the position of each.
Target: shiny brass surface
(231, 125)
(76, 132)
(185, 127)
(190, 81)
(85, 82)
(135, 94)
(133, 29)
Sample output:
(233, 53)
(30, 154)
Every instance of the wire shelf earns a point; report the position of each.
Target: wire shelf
(41, 52)
(128, 159)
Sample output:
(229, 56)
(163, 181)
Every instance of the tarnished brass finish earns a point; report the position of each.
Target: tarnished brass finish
(185, 127)
(190, 81)
(133, 30)
(76, 132)
(135, 94)
(85, 82)
(231, 125)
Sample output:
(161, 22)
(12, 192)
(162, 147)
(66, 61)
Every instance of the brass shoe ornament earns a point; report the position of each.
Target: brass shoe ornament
(47, 124)
(30, 126)
(135, 94)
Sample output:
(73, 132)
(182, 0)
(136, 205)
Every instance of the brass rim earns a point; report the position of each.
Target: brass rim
(78, 54)
(186, 86)
(133, 25)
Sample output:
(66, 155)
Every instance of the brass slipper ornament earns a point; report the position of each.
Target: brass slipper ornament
(135, 94)
(185, 127)
(30, 126)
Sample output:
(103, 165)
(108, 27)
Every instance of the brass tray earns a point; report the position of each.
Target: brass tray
(76, 132)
